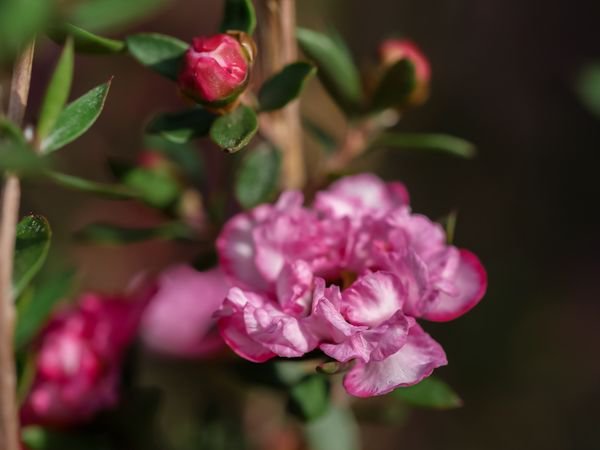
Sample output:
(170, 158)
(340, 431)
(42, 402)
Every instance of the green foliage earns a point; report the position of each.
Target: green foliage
(258, 176)
(335, 430)
(31, 249)
(155, 187)
(336, 69)
(159, 52)
(184, 155)
(33, 313)
(233, 131)
(103, 14)
(239, 15)
(395, 87)
(20, 20)
(183, 126)
(309, 398)
(57, 91)
(85, 41)
(113, 191)
(321, 136)
(588, 87)
(105, 233)
(285, 86)
(15, 154)
(76, 118)
(429, 393)
(427, 141)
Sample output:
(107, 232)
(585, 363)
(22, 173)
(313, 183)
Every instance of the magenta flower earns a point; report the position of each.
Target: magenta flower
(349, 276)
(215, 70)
(79, 356)
(179, 319)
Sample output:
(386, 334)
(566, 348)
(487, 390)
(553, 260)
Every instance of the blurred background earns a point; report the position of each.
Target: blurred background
(525, 361)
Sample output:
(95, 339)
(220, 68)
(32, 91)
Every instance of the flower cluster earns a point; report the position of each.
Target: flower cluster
(79, 356)
(349, 276)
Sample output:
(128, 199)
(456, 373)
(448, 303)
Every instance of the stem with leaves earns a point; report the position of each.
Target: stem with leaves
(9, 419)
(277, 44)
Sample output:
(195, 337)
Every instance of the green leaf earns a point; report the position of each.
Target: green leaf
(233, 131)
(309, 398)
(157, 188)
(258, 176)
(15, 153)
(114, 191)
(239, 15)
(104, 233)
(76, 118)
(429, 393)
(323, 137)
(588, 87)
(159, 52)
(185, 156)
(395, 87)
(31, 248)
(102, 14)
(285, 86)
(85, 41)
(335, 430)
(32, 315)
(427, 141)
(181, 127)
(57, 91)
(336, 70)
(20, 20)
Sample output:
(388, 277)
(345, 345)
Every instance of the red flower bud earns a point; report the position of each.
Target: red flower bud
(393, 50)
(216, 69)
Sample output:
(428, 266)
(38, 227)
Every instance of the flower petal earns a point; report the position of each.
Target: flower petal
(414, 361)
(470, 284)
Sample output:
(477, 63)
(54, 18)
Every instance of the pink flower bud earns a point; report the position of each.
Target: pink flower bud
(393, 50)
(79, 356)
(216, 69)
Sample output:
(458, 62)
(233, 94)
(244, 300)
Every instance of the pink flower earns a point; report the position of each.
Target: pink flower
(79, 357)
(393, 50)
(178, 321)
(215, 69)
(349, 277)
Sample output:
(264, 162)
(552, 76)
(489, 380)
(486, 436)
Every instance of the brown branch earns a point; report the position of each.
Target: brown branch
(276, 48)
(9, 413)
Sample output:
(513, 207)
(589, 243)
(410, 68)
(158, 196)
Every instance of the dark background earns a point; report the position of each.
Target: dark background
(525, 360)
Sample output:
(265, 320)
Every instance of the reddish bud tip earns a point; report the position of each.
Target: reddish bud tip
(215, 70)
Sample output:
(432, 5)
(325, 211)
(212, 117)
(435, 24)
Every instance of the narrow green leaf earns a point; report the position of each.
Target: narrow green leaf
(33, 314)
(450, 226)
(258, 176)
(336, 70)
(159, 52)
(20, 21)
(335, 430)
(285, 86)
(239, 15)
(429, 393)
(85, 41)
(114, 191)
(322, 136)
(233, 131)
(108, 234)
(395, 87)
(76, 118)
(309, 398)
(588, 87)
(110, 14)
(158, 189)
(183, 126)
(15, 154)
(57, 91)
(31, 248)
(428, 141)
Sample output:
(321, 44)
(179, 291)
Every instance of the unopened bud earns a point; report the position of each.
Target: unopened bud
(216, 69)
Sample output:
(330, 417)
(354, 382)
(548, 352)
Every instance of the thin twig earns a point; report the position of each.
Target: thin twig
(9, 413)
(276, 48)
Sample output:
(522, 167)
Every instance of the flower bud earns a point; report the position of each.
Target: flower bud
(393, 50)
(216, 69)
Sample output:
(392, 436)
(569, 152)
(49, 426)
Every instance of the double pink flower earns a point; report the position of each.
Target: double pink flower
(348, 276)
